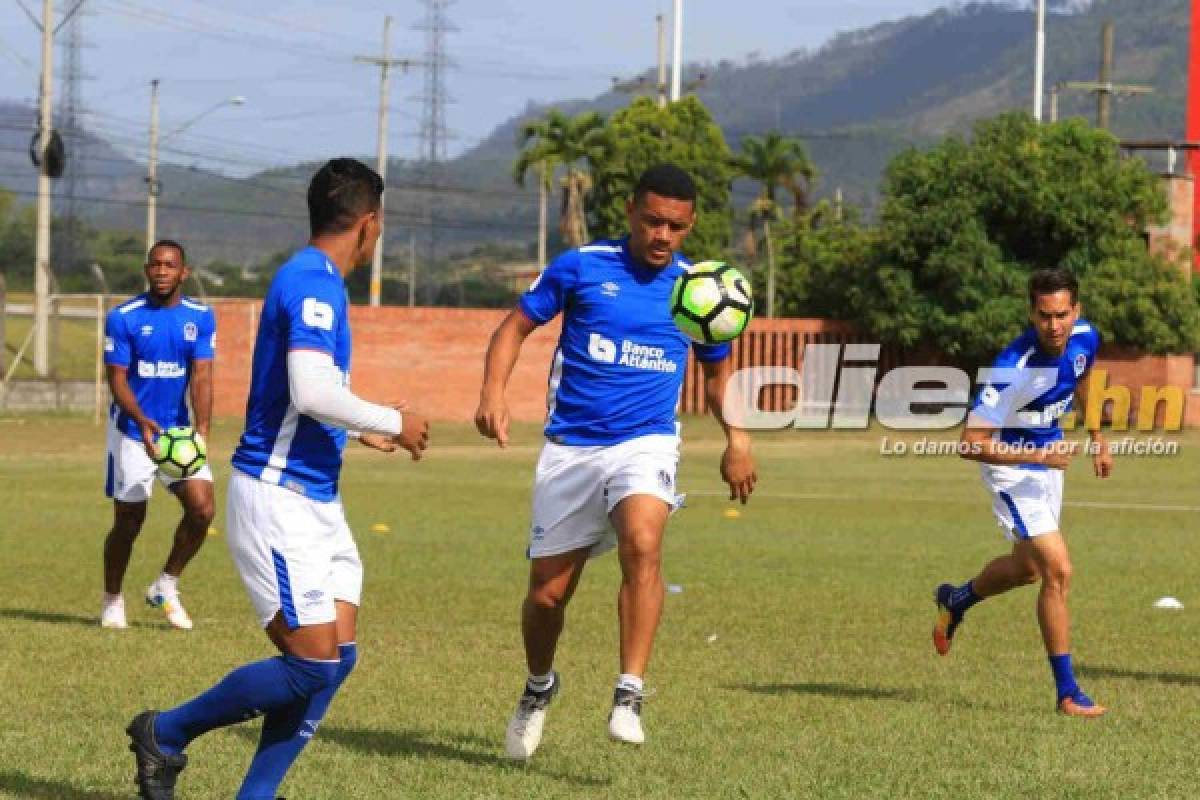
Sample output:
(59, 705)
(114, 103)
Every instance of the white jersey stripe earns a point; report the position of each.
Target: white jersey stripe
(1081, 327)
(277, 463)
(132, 306)
(600, 248)
(1025, 358)
(552, 385)
(194, 305)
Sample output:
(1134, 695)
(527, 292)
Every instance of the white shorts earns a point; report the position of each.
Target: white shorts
(1026, 502)
(130, 474)
(294, 554)
(575, 489)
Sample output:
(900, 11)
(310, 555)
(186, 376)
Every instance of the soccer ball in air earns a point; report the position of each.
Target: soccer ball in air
(712, 302)
(181, 453)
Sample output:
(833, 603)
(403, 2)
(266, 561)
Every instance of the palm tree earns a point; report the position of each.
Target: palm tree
(775, 161)
(557, 141)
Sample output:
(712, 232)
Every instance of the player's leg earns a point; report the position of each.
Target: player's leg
(552, 582)
(1053, 562)
(286, 731)
(196, 498)
(640, 521)
(129, 480)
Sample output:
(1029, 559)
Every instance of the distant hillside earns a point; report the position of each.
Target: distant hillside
(856, 101)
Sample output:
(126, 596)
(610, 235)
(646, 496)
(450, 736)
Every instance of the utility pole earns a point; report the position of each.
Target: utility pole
(152, 172)
(543, 191)
(1039, 60)
(41, 277)
(384, 63)
(662, 60)
(1104, 89)
(677, 31)
(412, 270)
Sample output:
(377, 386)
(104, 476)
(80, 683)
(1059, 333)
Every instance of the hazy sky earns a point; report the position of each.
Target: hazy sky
(308, 99)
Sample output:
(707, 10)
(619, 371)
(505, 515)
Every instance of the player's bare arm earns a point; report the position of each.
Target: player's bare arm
(1102, 459)
(492, 415)
(123, 396)
(202, 394)
(737, 464)
(979, 445)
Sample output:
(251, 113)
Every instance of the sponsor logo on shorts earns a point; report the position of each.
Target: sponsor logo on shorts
(538, 533)
(665, 478)
(314, 595)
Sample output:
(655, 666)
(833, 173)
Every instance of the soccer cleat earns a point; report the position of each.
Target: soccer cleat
(625, 720)
(169, 603)
(524, 732)
(947, 620)
(156, 770)
(1079, 704)
(112, 614)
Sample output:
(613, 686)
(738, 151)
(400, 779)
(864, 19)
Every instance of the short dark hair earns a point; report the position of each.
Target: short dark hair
(1051, 280)
(341, 192)
(168, 243)
(666, 180)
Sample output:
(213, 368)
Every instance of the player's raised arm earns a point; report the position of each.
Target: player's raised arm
(492, 417)
(737, 464)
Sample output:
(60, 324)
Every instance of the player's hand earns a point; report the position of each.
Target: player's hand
(1058, 455)
(1102, 459)
(150, 432)
(378, 441)
(415, 436)
(491, 419)
(737, 469)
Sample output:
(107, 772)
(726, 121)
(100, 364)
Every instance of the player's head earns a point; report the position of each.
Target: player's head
(166, 269)
(1053, 307)
(344, 201)
(661, 214)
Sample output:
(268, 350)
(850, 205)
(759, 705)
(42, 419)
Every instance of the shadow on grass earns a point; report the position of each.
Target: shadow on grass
(1172, 678)
(60, 618)
(840, 690)
(27, 786)
(469, 749)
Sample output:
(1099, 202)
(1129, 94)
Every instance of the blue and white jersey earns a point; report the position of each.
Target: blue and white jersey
(1027, 402)
(305, 309)
(619, 366)
(157, 345)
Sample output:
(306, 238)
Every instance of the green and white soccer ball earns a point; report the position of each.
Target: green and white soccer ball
(712, 302)
(181, 453)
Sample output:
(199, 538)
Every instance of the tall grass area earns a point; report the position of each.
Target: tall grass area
(794, 661)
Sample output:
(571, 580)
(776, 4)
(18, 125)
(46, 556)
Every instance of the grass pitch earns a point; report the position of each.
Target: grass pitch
(795, 662)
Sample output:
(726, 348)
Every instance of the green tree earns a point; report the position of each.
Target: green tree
(558, 141)
(964, 224)
(684, 134)
(774, 161)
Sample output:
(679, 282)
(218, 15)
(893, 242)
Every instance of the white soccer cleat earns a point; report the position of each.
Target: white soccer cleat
(112, 613)
(169, 603)
(625, 721)
(524, 732)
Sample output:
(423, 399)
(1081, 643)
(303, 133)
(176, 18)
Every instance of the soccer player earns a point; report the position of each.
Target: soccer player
(155, 347)
(606, 476)
(1014, 433)
(287, 530)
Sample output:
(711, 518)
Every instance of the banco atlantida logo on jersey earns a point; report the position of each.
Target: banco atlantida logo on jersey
(630, 354)
(160, 369)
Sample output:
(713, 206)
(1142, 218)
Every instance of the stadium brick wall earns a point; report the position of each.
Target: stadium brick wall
(433, 358)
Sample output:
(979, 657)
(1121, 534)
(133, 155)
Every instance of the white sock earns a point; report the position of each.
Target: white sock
(540, 683)
(631, 682)
(167, 584)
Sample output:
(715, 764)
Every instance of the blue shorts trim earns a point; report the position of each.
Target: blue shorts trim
(1019, 524)
(285, 591)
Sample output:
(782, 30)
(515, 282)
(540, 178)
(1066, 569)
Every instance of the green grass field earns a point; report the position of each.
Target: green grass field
(820, 682)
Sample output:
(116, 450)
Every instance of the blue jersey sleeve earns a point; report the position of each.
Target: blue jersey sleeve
(116, 340)
(550, 293)
(206, 342)
(710, 353)
(991, 404)
(312, 309)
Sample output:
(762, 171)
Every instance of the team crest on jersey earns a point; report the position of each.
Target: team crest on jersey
(1080, 364)
(147, 330)
(609, 289)
(190, 332)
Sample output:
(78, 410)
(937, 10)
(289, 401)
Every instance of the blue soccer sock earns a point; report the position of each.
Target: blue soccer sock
(963, 597)
(1064, 676)
(243, 694)
(287, 730)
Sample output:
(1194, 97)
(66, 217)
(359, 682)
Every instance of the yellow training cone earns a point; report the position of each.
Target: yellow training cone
(731, 513)
(381, 527)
